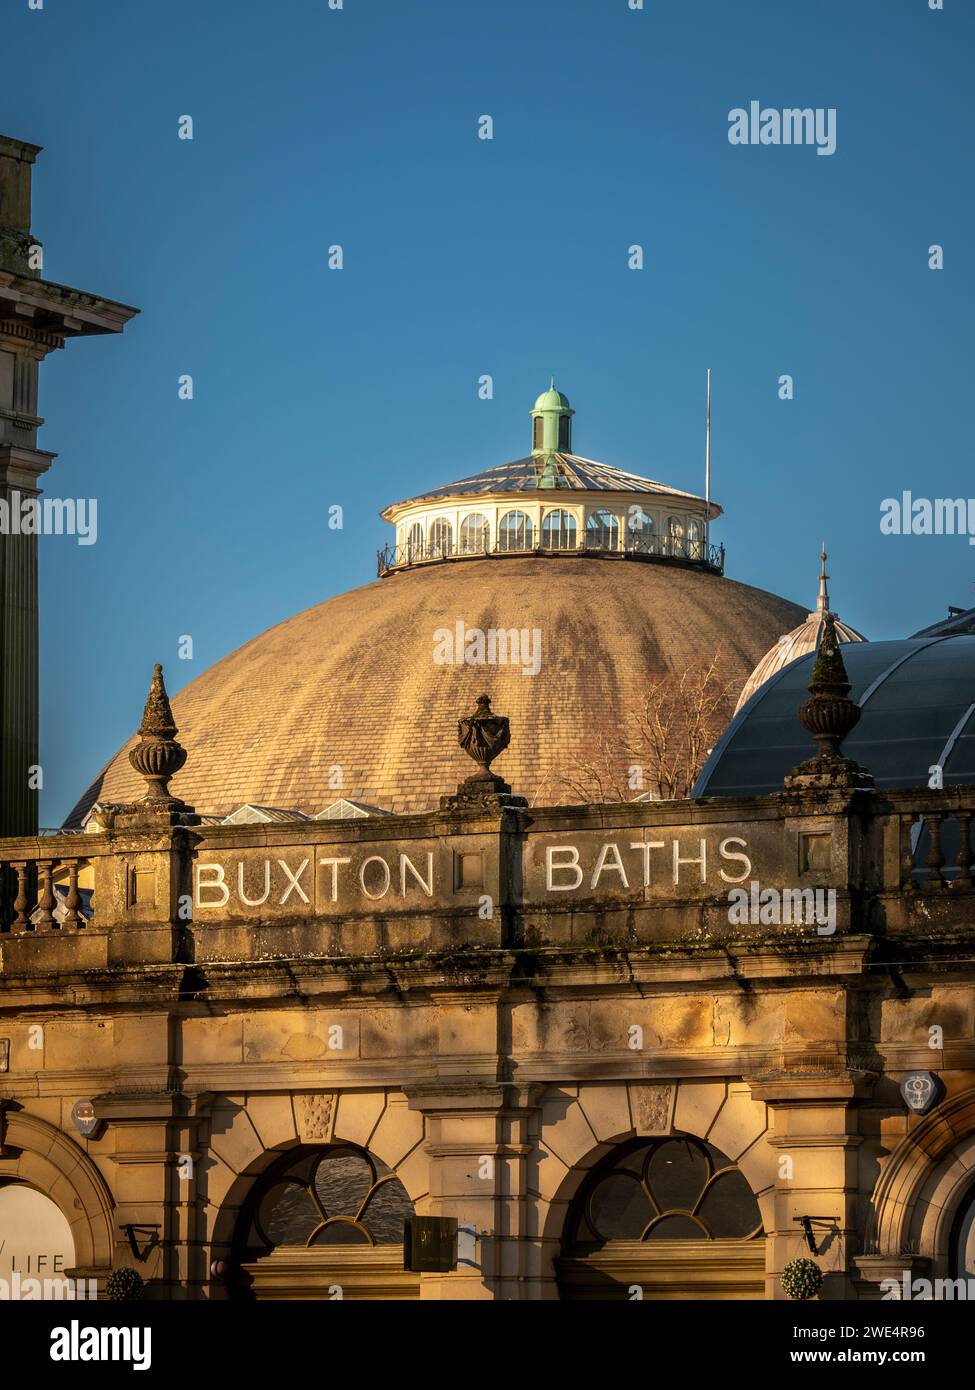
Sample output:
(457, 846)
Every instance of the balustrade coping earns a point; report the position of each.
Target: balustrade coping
(873, 801)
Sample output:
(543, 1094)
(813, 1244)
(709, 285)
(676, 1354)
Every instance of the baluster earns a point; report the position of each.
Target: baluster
(935, 860)
(21, 902)
(45, 898)
(964, 860)
(72, 902)
(6, 896)
(906, 855)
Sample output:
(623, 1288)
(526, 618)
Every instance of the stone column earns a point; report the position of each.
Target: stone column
(22, 348)
(36, 317)
(21, 465)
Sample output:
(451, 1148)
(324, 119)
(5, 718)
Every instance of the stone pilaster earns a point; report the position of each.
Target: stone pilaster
(816, 1138)
(478, 1152)
(150, 1189)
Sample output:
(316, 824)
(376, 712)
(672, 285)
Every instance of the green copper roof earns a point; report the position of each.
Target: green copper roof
(552, 400)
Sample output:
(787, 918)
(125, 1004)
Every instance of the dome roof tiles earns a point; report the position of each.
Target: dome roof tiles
(352, 683)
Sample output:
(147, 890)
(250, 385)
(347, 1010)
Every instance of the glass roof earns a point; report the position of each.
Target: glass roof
(571, 471)
(918, 708)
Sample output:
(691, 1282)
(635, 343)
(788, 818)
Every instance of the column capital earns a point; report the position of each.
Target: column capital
(21, 467)
(472, 1097)
(824, 1088)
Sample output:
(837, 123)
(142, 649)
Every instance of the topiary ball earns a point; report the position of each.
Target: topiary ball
(124, 1285)
(802, 1279)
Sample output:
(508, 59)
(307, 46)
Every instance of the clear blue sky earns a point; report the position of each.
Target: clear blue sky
(464, 257)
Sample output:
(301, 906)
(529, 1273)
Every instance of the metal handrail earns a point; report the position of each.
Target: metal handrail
(657, 547)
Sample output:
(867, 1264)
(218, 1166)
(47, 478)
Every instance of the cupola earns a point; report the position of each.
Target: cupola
(552, 423)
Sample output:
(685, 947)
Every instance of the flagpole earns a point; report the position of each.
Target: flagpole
(707, 478)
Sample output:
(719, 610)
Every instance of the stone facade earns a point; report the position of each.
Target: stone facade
(487, 1002)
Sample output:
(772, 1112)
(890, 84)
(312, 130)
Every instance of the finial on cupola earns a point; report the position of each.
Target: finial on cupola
(822, 602)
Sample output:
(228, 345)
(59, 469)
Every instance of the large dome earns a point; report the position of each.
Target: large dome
(352, 683)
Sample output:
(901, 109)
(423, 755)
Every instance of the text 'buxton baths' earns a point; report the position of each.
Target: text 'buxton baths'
(276, 882)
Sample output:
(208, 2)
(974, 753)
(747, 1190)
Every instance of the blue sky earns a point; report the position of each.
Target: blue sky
(313, 387)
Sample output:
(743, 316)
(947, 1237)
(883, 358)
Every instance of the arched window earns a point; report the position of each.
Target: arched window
(515, 531)
(603, 531)
(675, 536)
(640, 533)
(441, 538)
(321, 1216)
(665, 1189)
(33, 1224)
(963, 1239)
(474, 534)
(414, 544)
(673, 1215)
(338, 1195)
(559, 531)
(695, 544)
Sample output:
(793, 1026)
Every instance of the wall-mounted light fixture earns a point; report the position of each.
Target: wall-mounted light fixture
(148, 1235)
(807, 1223)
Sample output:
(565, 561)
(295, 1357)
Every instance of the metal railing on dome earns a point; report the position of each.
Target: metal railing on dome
(677, 550)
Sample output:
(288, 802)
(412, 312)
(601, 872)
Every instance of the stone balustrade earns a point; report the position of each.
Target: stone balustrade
(638, 874)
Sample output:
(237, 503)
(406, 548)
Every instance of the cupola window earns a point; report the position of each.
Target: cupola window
(675, 536)
(538, 432)
(564, 433)
(603, 531)
(640, 532)
(414, 544)
(516, 532)
(559, 531)
(474, 534)
(695, 546)
(441, 538)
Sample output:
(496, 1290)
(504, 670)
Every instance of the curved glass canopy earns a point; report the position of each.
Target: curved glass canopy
(918, 709)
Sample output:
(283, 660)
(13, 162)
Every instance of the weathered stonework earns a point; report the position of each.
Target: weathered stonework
(242, 991)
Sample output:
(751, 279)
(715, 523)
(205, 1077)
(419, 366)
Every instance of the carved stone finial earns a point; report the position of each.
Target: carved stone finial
(483, 736)
(829, 715)
(158, 756)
